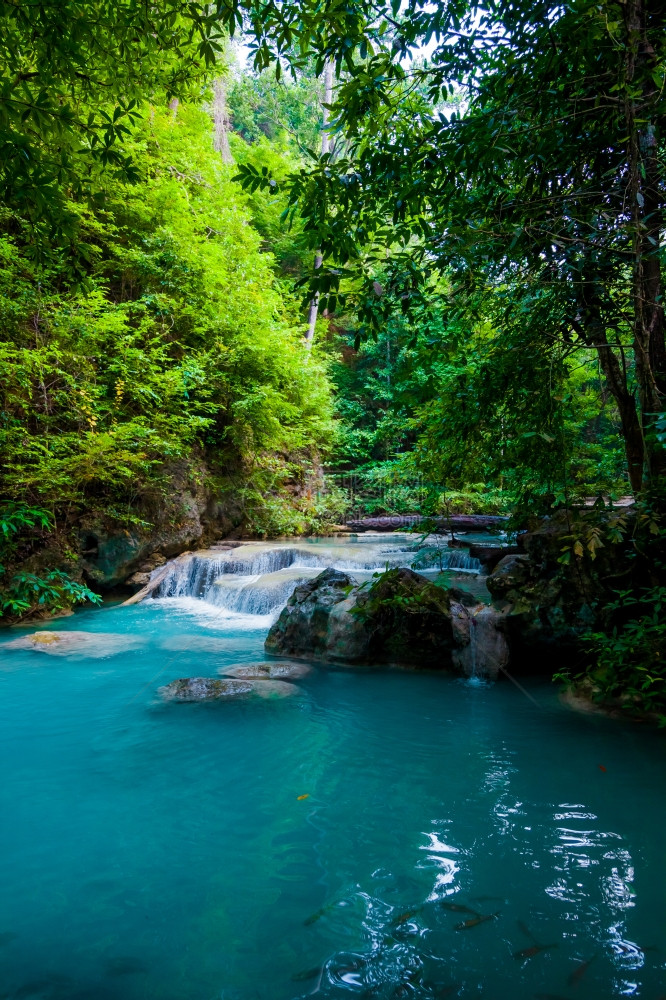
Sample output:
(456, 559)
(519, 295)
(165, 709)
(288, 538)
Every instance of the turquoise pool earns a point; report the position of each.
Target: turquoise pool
(152, 850)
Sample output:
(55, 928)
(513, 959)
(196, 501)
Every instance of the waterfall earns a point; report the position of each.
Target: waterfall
(257, 578)
(472, 648)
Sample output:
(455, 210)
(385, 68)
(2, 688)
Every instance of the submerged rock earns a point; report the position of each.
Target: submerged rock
(214, 689)
(266, 670)
(89, 644)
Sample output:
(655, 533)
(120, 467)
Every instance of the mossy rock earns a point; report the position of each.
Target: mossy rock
(409, 619)
(403, 619)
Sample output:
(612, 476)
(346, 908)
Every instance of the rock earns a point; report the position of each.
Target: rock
(348, 637)
(409, 619)
(188, 514)
(89, 644)
(464, 597)
(302, 628)
(490, 555)
(268, 670)
(403, 619)
(512, 571)
(483, 650)
(152, 562)
(213, 689)
(460, 623)
(548, 603)
(155, 579)
(142, 577)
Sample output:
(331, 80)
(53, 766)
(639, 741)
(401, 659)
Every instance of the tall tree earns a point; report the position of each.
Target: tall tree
(325, 149)
(552, 178)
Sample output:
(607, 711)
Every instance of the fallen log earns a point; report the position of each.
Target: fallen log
(457, 522)
(155, 581)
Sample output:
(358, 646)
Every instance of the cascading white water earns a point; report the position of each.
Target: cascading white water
(257, 578)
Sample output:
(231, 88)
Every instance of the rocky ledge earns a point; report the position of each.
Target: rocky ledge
(403, 619)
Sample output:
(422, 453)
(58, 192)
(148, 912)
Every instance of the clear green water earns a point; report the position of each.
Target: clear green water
(153, 850)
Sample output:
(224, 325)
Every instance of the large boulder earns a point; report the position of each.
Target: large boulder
(403, 619)
(302, 630)
(409, 620)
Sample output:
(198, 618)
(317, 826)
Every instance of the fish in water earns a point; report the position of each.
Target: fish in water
(533, 950)
(407, 915)
(580, 971)
(481, 918)
(351, 967)
(314, 917)
(459, 908)
(302, 977)
(525, 953)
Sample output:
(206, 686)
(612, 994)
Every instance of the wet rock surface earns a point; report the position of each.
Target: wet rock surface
(303, 626)
(404, 619)
(193, 689)
(267, 670)
(93, 644)
(482, 647)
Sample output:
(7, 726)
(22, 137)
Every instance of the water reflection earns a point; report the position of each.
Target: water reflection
(563, 887)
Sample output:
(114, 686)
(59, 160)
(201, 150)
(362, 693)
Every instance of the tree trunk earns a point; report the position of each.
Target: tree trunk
(632, 432)
(591, 329)
(646, 219)
(325, 148)
(221, 121)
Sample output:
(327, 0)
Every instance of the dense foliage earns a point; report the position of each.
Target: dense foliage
(178, 347)
(548, 189)
(436, 412)
(490, 302)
